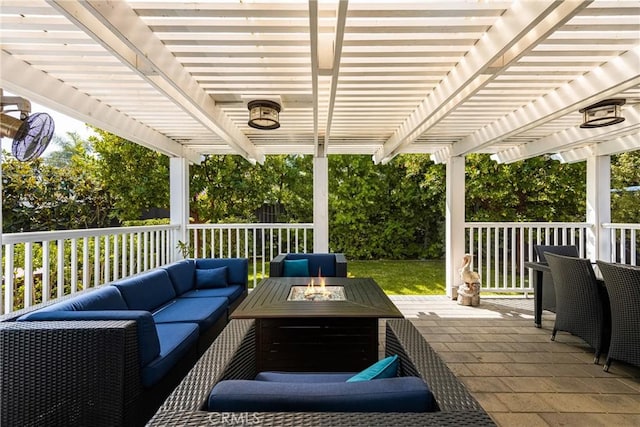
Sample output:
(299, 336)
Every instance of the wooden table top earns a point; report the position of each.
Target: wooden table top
(364, 298)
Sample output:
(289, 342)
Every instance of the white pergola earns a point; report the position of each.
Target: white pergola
(444, 78)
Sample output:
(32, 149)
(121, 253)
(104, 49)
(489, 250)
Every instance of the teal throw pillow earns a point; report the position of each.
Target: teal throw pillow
(385, 368)
(211, 278)
(296, 268)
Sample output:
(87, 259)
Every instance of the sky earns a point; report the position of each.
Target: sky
(63, 124)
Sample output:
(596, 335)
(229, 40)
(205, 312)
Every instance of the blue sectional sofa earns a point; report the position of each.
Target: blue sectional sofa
(173, 314)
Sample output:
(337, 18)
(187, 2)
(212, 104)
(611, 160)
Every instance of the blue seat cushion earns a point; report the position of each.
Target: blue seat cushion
(104, 298)
(203, 311)
(324, 264)
(238, 273)
(304, 377)
(212, 277)
(385, 368)
(296, 268)
(182, 275)
(175, 341)
(231, 292)
(147, 291)
(148, 344)
(399, 394)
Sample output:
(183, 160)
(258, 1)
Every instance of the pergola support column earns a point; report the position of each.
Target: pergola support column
(320, 204)
(598, 207)
(179, 201)
(455, 219)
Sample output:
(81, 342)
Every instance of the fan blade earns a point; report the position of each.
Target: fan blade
(33, 137)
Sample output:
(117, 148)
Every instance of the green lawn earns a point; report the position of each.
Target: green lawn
(403, 277)
(397, 277)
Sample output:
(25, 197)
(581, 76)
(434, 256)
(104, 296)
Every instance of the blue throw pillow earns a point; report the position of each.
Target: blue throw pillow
(296, 268)
(385, 368)
(211, 278)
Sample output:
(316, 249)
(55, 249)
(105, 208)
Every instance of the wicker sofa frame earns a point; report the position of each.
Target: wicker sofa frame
(232, 356)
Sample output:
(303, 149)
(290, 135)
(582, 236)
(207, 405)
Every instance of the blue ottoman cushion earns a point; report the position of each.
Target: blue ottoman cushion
(399, 394)
(304, 377)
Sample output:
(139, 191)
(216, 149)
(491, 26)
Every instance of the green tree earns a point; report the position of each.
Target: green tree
(536, 189)
(135, 177)
(38, 196)
(625, 176)
(387, 211)
(228, 188)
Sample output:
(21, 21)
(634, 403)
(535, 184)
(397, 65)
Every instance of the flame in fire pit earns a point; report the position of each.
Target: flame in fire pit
(319, 292)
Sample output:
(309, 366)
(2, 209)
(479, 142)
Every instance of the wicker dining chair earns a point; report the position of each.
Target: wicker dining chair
(580, 305)
(623, 285)
(548, 289)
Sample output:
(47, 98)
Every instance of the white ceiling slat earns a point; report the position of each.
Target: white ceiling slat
(206, 58)
(515, 29)
(133, 40)
(337, 54)
(567, 137)
(53, 93)
(622, 72)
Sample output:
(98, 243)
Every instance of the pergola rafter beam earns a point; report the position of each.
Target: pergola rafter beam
(522, 27)
(613, 146)
(337, 54)
(567, 138)
(120, 30)
(610, 78)
(313, 44)
(19, 77)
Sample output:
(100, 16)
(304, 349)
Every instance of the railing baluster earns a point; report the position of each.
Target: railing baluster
(139, 253)
(86, 272)
(46, 273)
(74, 266)
(8, 278)
(96, 260)
(60, 263)
(28, 275)
(116, 257)
(132, 254)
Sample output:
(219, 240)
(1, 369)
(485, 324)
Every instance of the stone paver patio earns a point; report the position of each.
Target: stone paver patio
(516, 372)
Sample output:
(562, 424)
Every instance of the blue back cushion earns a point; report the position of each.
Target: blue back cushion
(385, 368)
(296, 268)
(182, 275)
(238, 273)
(325, 263)
(105, 298)
(212, 278)
(147, 291)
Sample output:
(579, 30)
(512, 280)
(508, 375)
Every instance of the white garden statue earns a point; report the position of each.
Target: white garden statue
(469, 291)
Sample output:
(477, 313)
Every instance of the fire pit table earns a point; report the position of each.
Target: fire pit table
(330, 325)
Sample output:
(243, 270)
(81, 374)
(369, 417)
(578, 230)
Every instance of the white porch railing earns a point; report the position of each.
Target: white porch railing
(41, 266)
(625, 243)
(260, 242)
(79, 259)
(499, 250)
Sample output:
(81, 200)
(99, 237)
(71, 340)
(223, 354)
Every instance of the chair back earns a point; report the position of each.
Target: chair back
(623, 286)
(579, 306)
(565, 250)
